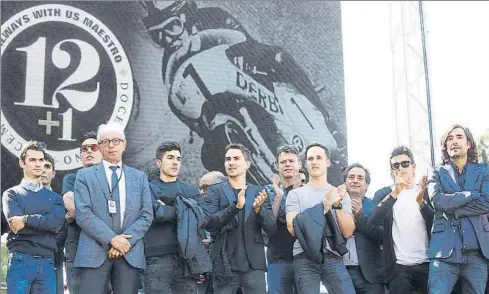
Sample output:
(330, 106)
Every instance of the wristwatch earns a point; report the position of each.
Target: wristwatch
(339, 207)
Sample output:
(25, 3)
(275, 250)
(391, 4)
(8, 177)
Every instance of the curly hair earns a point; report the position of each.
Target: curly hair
(472, 154)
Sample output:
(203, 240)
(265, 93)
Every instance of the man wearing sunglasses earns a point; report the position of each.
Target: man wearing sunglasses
(459, 191)
(407, 219)
(90, 155)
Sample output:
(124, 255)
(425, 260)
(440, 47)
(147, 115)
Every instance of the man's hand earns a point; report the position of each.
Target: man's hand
(120, 243)
(16, 223)
(340, 194)
(422, 189)
(401, 183)
(356, 207)
(259, 200)
(70, 216)
(278, 192)
(114, 253)
(160, 202)
(328, 200)
(241, 198)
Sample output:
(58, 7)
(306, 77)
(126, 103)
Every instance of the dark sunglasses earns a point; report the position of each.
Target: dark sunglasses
(84, 148)
(404, 164)
(203, 189)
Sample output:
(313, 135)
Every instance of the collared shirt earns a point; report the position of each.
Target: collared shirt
(121, 184)
(351, 257)
(30, 186)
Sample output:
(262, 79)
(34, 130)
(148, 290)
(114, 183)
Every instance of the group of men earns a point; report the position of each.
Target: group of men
(425, 237)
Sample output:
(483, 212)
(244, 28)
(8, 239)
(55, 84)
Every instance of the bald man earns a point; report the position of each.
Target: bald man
(209, 179)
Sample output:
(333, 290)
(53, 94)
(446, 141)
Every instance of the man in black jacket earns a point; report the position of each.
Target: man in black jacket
(407, 217)
(364, 257)
(238, 213)
(164, 264)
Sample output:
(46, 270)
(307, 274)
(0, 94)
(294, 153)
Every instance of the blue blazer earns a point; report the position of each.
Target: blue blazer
(92, 215)
(450, 202)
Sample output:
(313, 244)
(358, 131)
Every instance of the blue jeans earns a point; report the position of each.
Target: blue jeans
(472, 272)
(29, 274)
(280, 277)
(332, 272)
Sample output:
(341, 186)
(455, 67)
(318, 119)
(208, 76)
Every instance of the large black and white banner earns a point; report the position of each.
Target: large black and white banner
(202, 73)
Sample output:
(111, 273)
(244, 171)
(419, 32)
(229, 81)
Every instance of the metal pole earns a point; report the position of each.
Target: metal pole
(427, 82)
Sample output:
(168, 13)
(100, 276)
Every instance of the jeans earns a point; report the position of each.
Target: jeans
(29, 274)
(332, 272)
(280, 277)
(410, 278)
(165, 274)
(472, 273)
(58, 265)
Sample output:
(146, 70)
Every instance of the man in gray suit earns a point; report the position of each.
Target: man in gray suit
(113, 209)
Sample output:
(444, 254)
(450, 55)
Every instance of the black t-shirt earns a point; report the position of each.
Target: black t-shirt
(239, 262)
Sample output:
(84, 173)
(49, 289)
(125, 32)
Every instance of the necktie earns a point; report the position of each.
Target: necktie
(116, 218)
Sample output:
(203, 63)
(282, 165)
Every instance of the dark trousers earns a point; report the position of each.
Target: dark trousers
(251, 282)
(123, 277)
(59, 259)
(410, 278)
(280, 277)
(72, 277)
(165, 274)
(362, 286)
(332, 272)
(472, 274)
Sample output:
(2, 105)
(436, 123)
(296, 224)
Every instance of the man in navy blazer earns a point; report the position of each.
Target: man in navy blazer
(113, 209)
(238, 213)
(459, 191)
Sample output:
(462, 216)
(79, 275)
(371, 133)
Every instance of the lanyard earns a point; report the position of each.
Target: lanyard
(111, 189)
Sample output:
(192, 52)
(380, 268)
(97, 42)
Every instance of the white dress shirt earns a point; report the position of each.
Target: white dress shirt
(122, 185)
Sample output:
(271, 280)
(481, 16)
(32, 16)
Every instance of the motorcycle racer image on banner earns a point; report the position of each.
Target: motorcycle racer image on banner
(228, 87)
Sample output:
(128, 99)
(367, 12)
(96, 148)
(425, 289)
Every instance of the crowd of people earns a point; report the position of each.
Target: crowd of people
(116, 232)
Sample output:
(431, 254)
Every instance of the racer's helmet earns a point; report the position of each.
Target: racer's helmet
(167, 20)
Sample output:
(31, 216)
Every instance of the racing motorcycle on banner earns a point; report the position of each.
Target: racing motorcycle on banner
(228, 88)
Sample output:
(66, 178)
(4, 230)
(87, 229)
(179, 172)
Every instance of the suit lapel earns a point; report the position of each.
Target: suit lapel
(449, 176)
(250, 197)
(127, 179)
(102, 179)
(471, 176)
(229, 193)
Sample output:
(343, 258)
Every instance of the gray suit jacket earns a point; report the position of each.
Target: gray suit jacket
(92, 215)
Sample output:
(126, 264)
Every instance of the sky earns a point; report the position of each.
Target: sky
(457, 36)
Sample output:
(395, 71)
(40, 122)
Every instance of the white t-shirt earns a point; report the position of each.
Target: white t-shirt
(409, 229)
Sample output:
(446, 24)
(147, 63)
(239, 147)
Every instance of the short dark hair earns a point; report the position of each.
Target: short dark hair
(326, 150)
(89, 135)
(287, 149)
(402, 150)
(472, 154)
(32, 145)
(167, 146)
(238, 146)
(358, 165)
(49, 158)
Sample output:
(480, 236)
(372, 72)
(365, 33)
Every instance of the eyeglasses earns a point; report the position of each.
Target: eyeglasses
(203, 189)
(107, 142)
(404, 164)
(94, 147)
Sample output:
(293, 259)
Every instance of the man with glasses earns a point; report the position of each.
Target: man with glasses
(35, 216)
(90, 155)
(280, 274)
(407, 217)
(165, 265)
(459, 191)
(113, 210)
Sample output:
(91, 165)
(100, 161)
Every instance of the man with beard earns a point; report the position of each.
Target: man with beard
(164, 262)
(407, 219)
(280, 275)
(238, 213)
(459, 190)
(90, 155)
(364, 257)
